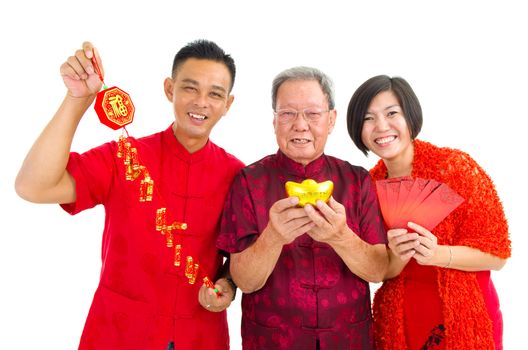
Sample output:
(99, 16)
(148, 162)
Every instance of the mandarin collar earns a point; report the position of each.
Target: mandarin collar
(180, 151)
(312, 169)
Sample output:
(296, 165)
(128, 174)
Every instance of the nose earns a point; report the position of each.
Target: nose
(381, 123)
(200, 100)
(300, 123)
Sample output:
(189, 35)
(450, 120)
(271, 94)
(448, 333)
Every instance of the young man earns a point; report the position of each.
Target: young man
(145, 299)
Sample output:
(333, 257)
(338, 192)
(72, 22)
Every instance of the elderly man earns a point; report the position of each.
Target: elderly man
(304, 271)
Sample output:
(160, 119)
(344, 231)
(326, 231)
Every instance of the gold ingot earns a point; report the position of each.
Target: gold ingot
(310, 191)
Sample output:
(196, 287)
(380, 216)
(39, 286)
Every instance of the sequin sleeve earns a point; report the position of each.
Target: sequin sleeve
(481, 220)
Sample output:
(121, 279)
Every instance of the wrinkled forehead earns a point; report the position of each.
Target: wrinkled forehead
(301, 94)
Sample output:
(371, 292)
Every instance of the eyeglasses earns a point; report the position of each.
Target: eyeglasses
(287, 115)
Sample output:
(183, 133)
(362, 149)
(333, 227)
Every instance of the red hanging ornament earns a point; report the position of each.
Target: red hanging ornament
(113, 106)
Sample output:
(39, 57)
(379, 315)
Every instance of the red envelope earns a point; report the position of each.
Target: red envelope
(422, 201)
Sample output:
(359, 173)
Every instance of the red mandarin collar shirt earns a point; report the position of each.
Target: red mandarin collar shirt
(143, 301)
(311, 294)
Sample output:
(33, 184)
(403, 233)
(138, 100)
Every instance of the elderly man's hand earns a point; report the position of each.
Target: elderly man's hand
(287, 221)
(330, 221)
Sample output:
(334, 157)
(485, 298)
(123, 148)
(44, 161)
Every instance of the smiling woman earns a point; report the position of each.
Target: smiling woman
(446, 273)
(385, 132)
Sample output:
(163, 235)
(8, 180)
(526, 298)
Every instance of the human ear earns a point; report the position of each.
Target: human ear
(230, 100)
(168, 87)
(331, 120)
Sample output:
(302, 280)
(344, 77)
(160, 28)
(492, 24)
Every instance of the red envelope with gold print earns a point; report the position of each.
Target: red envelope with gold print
(422, 201)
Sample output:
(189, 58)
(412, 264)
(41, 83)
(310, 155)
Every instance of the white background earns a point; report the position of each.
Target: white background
(466, 61)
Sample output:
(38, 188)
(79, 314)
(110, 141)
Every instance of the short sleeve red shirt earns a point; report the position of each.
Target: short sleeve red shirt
(311, 294)
(143, 301)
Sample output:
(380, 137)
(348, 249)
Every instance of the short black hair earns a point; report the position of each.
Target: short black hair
(360, 102)
(205, 50)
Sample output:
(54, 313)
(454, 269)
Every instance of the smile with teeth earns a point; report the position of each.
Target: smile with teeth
(385, 140)
(300, 141)
(197, 116)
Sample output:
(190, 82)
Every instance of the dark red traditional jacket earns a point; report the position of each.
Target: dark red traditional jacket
(311, 295)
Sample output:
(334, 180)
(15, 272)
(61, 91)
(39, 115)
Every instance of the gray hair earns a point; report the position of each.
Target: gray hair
(303, 73)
